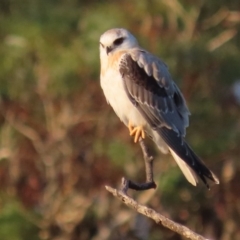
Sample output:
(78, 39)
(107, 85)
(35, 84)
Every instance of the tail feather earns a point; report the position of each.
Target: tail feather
(187, 160)
(187, 171)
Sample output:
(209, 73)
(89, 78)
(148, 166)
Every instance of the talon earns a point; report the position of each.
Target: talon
(137, 132)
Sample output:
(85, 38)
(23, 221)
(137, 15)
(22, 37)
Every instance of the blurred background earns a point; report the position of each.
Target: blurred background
(60, 143)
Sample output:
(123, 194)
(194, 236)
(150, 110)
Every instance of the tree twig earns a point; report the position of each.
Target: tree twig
(157, 217)
(149, 184)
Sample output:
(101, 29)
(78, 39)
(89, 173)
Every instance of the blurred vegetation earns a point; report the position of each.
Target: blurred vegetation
(60, 143)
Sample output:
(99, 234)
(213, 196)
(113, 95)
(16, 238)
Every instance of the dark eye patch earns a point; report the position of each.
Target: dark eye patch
(118, 41)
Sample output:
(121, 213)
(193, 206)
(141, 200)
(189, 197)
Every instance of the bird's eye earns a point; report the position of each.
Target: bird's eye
(118, 41)
(101, 44)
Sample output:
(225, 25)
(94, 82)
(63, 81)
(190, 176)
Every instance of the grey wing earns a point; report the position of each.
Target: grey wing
(149, 86)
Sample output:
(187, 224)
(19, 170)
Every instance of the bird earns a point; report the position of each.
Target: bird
(141, 91)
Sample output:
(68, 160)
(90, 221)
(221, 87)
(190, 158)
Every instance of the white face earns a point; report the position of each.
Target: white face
(116, 39)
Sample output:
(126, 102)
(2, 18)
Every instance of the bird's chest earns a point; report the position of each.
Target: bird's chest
(113, 88)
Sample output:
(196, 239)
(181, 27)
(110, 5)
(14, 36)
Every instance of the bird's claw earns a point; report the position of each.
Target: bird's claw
(137, 132)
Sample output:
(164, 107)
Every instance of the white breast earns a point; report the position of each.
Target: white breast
(112, 85)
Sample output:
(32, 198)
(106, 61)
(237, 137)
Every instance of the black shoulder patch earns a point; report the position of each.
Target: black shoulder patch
(131, 71)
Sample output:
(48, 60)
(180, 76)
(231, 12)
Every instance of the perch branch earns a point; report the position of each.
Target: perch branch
(157, 217)
(148, 159)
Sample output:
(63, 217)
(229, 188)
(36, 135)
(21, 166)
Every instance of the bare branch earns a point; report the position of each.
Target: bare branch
(157, 217)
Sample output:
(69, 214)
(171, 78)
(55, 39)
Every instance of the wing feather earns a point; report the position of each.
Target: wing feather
(156, 96)
(149, 86)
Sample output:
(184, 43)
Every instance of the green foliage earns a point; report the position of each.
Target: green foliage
(120, 153)
(15, 223)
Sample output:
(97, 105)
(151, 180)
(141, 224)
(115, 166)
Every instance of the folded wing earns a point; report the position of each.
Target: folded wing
(150, 88)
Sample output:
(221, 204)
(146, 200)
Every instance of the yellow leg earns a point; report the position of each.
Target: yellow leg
(137, 132)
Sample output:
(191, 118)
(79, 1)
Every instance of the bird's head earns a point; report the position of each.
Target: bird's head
(116, 39)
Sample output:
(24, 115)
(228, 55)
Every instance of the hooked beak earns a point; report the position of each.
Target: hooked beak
(109, 49)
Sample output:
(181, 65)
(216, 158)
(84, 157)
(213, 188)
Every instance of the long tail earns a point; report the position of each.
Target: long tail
(190, 164)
